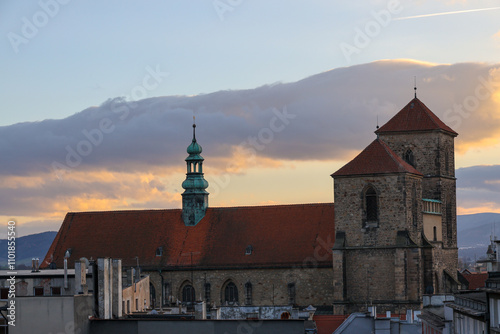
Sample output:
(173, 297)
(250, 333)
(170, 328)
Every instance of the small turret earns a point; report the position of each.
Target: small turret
(195, 197)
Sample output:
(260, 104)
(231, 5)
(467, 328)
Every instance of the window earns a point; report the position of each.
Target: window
(38, 291)
(231, 293)
(4, 293)
(248, 250)
(188, 294)
(291, 293)
(128, 306)
(55, 291)
(207, 292)
(159, 251)
(371, 207)
(137, 304)
(435, 233)
(248, 293)
(167, 292)
(408, 157)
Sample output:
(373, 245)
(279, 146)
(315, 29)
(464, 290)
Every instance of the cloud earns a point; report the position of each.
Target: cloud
(130, 154)
(497, 36)
(478, 189)
(334, 114)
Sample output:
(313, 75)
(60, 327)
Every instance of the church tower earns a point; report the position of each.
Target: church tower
(395, 216)
(194, 197)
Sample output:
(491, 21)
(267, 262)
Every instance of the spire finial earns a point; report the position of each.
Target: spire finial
(194, 128)
(377, 127)
(415, 85)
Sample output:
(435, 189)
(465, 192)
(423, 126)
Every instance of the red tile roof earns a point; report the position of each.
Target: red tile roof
(476, 280)
(376, 158)
(281, 235)
(415, 116)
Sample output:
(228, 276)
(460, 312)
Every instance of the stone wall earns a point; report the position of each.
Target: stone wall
(399, 207)
(313, 285)
(433, 151)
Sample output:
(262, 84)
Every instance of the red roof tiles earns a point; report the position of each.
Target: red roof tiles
(376, 158)
(415, 116)
(281, 235)
(476, 280)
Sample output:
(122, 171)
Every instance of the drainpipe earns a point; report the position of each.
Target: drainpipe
(162, 301)
(66, 256)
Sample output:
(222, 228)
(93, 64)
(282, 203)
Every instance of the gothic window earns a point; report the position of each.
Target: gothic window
(248, 293)
(231, 293)
(371, 206)
(207, 292)
(409, 158)
(291, 293)
(188, 294)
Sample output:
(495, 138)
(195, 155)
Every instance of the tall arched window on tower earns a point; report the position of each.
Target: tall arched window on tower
(231, 293)
(371, 207)
(409, 158)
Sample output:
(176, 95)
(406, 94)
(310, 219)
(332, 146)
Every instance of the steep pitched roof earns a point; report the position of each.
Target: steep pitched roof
(415, 116)
(376, 158)
(281, 235)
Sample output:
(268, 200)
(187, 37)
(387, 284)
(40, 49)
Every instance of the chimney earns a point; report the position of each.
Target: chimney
(33, 265)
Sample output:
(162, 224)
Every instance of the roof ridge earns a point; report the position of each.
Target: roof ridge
(210, 207)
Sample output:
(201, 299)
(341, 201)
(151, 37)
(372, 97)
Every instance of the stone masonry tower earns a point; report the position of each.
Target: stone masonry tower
(194, 197)
(395, 216)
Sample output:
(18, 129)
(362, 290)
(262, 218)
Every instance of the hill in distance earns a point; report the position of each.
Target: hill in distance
(27, 247)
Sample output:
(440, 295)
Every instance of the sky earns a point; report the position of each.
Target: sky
(98, 98)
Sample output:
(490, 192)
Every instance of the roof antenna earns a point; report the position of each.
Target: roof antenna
(377, 127)
(415, 85)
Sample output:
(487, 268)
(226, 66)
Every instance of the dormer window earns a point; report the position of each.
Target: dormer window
(159, 251)
(248, 250)
(409, 158)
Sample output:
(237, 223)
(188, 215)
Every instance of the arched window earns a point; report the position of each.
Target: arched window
(231, 293)
(371, 206)
(248, 293)
(408, 157)
(188, 294)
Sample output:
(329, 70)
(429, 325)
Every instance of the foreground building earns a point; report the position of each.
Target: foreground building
(394, 228)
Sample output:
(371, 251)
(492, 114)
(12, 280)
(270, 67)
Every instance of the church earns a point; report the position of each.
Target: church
(389, 238)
